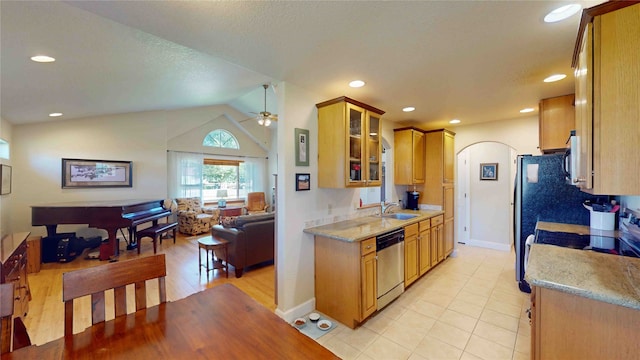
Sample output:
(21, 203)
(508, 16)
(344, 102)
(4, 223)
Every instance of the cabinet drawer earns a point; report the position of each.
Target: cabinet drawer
(367, 246)
(437, 220)
(425, 224)
(410, 230)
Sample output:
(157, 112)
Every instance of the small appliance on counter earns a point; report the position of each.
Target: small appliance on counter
(411, 200)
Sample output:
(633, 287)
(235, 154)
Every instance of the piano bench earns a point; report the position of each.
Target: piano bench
(155, 232)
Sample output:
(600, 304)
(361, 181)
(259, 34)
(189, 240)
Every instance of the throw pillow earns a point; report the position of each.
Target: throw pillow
(228, 221)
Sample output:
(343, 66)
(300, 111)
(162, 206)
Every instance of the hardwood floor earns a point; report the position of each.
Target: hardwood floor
(45, 319)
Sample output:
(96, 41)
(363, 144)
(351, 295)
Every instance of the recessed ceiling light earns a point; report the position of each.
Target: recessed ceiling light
(42, 58)
(562, 13)
(408, 109)
(527, 110)
(555, 77)
(356, 83)
(55, 114)
(454, 121)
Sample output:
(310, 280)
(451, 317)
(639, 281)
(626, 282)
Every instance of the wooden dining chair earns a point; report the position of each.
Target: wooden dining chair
(96, 280)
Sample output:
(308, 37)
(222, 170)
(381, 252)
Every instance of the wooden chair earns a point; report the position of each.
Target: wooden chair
(10, 329)
(96, 280)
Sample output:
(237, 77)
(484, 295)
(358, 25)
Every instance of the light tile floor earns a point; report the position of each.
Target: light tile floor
(469, 307)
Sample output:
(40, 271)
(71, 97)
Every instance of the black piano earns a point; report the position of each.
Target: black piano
(107, 215)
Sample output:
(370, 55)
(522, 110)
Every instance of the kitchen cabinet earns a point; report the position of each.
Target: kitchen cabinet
(437, 239)
(411, 254)
(424, 247)
(556, 120)
(13, 269)
(568, 326)
(408, 156)
(349, 144)
(448, 219)
(346, 279)
(607, 82)
(439, 189)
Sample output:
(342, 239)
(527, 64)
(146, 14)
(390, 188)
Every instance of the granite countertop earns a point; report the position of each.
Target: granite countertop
(603, 277)
(368, 226)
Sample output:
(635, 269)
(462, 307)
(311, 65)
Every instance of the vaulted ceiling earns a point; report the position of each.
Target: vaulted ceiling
(472, 60)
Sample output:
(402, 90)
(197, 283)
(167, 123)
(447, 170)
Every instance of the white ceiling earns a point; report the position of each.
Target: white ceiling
(473, 60)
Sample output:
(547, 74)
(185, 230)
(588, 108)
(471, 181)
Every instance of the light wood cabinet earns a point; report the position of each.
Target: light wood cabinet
(448, 219)
(424, 247)
(349, 144)
(346, 279)
(567, 326)
(439, 189)
(607, 74)
(437, 239)
(408, 156)
(556, 120)
(411, 254)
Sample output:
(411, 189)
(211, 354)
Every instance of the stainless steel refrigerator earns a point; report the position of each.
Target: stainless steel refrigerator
(543, 194)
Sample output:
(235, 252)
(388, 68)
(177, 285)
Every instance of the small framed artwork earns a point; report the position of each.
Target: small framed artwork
(77, 173)
(5, 185)
(302, 147)
(489, 171)
(303, 182)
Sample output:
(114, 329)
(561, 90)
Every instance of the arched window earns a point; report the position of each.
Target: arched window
(222, 139)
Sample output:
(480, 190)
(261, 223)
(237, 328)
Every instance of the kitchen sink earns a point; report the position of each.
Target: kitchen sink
(399, 216)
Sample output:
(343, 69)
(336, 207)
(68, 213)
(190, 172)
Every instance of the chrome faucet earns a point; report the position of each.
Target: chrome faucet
(384, 208)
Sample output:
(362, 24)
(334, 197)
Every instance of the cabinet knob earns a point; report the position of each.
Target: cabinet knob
(368, 247)
(579, 180)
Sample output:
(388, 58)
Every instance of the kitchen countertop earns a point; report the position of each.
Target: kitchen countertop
(604, 277)
(368, 226)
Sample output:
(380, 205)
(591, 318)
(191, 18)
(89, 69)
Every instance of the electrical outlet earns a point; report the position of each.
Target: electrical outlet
(329, 208)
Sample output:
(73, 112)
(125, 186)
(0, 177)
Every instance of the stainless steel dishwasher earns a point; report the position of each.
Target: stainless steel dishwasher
(390, 253)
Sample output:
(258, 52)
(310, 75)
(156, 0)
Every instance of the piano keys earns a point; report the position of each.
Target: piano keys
(108, 215)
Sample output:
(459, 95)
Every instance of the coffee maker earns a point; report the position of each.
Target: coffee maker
(411, 200)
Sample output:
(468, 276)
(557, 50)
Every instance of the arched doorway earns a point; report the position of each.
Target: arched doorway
(485, 206)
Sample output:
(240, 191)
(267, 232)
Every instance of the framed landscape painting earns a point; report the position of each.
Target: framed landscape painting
(79, 173)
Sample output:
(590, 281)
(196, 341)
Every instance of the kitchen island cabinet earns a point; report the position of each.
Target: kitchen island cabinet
(349, 144)
(556, 120)
(607, 83)
(408, 156)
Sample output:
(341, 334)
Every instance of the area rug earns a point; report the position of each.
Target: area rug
(311, 328)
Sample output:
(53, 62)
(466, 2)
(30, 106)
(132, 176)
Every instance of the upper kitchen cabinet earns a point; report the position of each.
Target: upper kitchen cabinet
(557, 119)
(349, 144)
(607, 75)
(408, 156)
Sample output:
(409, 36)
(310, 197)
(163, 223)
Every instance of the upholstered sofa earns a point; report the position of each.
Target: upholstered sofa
(251, 240)
(193, 218)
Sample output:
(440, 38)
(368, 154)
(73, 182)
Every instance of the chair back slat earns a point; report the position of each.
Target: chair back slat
(120, 300)
(96, 280)
(97, 307)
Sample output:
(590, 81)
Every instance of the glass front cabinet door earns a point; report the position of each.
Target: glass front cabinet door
(358, 163)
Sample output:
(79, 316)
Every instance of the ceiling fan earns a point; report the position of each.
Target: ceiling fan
(264, 117)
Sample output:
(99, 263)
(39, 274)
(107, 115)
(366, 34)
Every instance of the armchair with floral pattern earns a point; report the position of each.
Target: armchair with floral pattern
(193, 218)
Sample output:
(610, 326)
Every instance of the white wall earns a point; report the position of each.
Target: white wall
(521, 134)
(5, 200)
(142, 137)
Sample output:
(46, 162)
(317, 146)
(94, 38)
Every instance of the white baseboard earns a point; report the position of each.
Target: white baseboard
(298, 311)
(488, 245)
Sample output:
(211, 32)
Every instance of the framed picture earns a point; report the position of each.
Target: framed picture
(78, 173)
(303, 182)
(489, 171)
(302, 147)
(5, 185)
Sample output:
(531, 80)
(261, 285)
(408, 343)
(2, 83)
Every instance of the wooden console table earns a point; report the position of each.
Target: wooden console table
(230, 211)
(13, 269)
